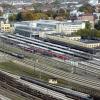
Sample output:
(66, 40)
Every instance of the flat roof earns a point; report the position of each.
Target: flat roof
(89, 41)
(52, 22)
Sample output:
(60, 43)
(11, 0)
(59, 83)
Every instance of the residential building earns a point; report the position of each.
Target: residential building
(97, 8)
(5, 25)
(43, 1)
(94, 2)
(87, 17)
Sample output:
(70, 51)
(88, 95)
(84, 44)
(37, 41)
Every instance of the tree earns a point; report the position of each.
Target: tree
(12, 17)
(88, 25)
(87, 8)
(19, 16)
(88, 33)
(37, 16)
(97, 25)
(1, 13)
(38, 6)
(56, 3)
(28, 15)
(63, 13)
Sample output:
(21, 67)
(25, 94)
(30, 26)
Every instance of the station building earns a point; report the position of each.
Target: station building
(42, 27)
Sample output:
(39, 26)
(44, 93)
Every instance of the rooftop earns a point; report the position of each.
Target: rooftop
(52, 22)
(89, 41)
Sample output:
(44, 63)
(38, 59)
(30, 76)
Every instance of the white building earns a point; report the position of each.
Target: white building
(43, 1)
(70, 27)
(66, 27)
(26, 28)
(48, 27)
(94, 2)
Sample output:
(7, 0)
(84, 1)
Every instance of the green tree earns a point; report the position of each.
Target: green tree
(97, 25)
(63, 13)
(1, 13)
(88, 33)
(56, 3)
(12, 17)
(87, 8)
(38, 6)
(88, 25)
(19, 16)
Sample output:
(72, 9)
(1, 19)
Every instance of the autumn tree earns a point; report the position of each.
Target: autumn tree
(37, 16)
(28, 15)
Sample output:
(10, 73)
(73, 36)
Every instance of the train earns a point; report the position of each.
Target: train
(21, 56)
(18, 55)
(80, 48)
(48, 46)
(34, 48)
(67, 92)
(70, 51)
(44, 51)
(57, 47)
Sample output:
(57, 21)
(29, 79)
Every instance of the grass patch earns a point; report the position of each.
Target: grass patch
(22, 70)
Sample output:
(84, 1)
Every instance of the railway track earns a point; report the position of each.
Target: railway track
(92, 84)
(42, 93)
(15, 94)
(85, 67)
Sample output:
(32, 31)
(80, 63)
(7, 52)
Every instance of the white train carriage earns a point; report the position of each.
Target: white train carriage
(11, 40)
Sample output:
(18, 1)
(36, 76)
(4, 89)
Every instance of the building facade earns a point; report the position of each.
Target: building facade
(41, 27)
(88, 17)
(26, 29)
(5, 25)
